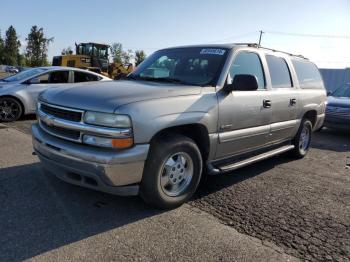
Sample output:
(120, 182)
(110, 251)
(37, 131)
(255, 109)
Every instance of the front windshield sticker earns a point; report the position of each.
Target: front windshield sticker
(212, 51)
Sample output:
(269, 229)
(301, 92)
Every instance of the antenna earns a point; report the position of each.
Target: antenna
(261, 32)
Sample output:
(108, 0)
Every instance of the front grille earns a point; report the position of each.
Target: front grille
(61, 113)
(61, 132)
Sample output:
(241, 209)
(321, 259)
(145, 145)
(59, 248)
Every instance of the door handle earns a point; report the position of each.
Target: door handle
(292, 101)
(267, 103)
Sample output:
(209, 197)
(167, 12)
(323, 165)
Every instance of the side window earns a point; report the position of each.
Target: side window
(44, 79)
(58, 77)
(248, 63)
(308, 74)
(279, 72)
(84, 77)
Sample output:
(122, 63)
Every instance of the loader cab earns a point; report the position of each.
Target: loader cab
(95, 54)
(92, 49)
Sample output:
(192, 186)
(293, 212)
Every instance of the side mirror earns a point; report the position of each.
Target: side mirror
(34, 80)
(329, 93)
(243, 83)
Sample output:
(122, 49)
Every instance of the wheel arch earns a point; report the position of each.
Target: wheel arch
(312, 116)
(197, 132)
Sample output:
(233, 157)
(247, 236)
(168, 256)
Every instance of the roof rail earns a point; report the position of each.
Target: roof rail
(270, 49)
(248, 44)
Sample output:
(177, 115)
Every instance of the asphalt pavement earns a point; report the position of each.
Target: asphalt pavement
(45, 219)
(276, 210)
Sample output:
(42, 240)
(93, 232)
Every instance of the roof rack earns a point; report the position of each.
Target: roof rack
(256, 45)
(248, 44)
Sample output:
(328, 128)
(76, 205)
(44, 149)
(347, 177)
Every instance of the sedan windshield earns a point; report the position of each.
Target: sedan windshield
(190, 66)
(23, 75)
(343, 91)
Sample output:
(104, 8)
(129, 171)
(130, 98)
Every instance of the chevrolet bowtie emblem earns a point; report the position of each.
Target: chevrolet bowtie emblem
(49, 120)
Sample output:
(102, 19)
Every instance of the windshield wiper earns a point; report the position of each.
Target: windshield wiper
(130, 77)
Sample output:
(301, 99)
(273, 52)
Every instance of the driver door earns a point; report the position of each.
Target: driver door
(40, 83)
(244, 116)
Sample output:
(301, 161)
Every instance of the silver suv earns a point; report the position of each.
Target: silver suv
(183, 112)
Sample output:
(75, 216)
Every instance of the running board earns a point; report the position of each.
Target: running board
(251, 160)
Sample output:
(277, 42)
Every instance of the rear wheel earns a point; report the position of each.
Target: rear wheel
(172, 172)
(10, 109)
(302, 140)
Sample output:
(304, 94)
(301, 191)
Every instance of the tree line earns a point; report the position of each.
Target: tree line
(35, 53)
(36, 48)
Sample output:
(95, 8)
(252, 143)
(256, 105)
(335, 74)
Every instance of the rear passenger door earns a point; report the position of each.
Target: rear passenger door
(244, 118)
(284, 100)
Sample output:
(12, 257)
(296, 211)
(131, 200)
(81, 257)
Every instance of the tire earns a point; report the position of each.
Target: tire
(10, 109)
(172, 172)
(302, 140)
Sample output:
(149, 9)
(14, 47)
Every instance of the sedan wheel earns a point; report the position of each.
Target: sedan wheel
(10, 110)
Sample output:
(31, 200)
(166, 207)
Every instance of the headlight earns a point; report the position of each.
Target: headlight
(108, 120)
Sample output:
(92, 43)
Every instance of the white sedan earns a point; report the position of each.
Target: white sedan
(19, 93)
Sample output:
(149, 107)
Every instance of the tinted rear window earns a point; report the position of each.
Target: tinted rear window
(308, 74)
(84, 77)
(279, 72)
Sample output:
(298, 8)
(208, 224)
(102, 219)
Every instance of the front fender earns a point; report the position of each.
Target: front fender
(150, 117)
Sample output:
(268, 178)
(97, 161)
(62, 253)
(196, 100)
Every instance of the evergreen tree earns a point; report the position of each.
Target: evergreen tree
(119, 55)
(140, 55)
(116, 52)
(67, 51)
(11, 47)
(37, 44)
(1, 50)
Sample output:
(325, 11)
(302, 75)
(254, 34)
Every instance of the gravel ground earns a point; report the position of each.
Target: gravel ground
(24, 124)
(301, 206)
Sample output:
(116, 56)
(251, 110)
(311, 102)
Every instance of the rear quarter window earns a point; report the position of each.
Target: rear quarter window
(85, 77)
(308, 75)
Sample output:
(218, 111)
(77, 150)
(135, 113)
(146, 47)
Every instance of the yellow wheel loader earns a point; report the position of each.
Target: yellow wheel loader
(93, 57)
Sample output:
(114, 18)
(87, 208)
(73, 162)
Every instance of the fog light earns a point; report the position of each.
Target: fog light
(108, 142)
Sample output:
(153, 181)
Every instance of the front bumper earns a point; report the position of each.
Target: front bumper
(107, 170)
(336, 123)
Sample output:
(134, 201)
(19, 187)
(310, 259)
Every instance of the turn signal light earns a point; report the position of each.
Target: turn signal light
(122, 143)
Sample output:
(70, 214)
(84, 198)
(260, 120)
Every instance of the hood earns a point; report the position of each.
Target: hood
(339, 101)
(108, 96)
(9, 87)
(7, 84)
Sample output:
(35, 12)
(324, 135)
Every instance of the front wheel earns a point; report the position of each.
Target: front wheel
(302, 140)
(172, 172)
(10, 109)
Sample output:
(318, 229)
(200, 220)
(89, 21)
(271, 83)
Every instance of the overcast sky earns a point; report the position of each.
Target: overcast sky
(296, 26)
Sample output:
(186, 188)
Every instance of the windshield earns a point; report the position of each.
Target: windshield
(100, 51)
(23, 75)
(193, 66)
(343, 91)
